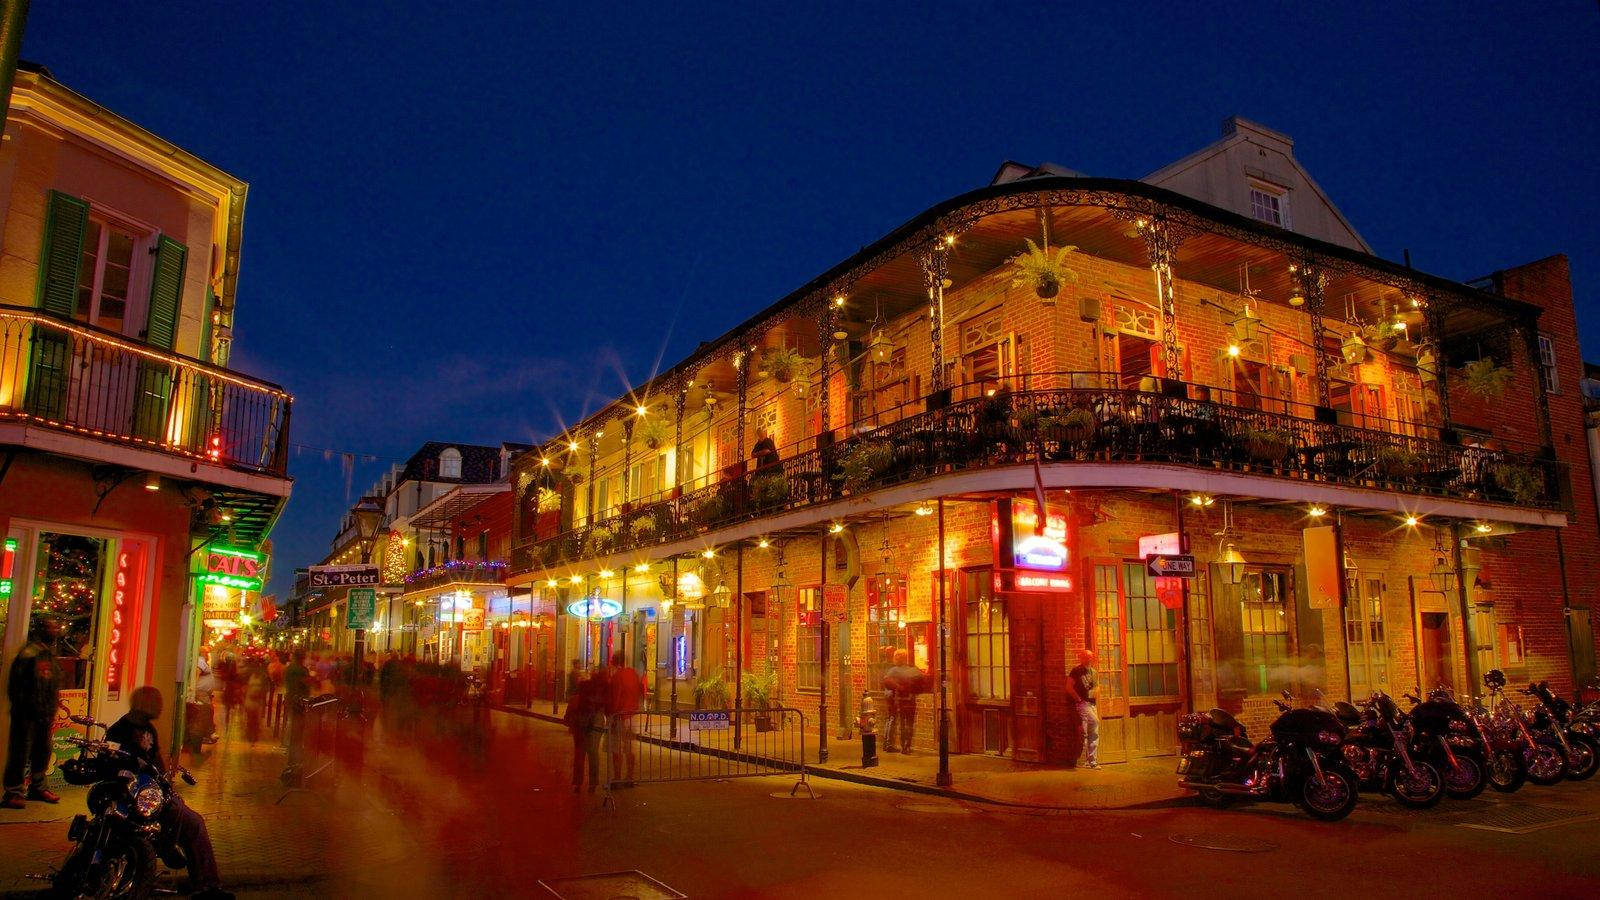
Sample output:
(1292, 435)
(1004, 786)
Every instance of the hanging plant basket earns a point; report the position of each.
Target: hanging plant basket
(654, 433)
(780, 363)
(1043, 270)
(1269, 445)
(1486, 378)
(1076, 426)
(1396, 463)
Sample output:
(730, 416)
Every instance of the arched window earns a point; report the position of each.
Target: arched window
(450, 463)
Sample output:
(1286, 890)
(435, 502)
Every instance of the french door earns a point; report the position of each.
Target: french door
(1140, 662)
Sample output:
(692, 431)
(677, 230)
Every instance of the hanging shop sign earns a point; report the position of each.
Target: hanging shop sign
(344, 576)
(473, 619)
(126, 588)
(8, 562)
(594, 608)
(234, 567)
(1324, 569)
(1029, 558)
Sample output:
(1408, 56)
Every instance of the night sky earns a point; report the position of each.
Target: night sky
(473, 223)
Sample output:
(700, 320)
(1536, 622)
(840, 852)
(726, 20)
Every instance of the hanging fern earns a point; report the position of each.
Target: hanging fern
(1038, 269)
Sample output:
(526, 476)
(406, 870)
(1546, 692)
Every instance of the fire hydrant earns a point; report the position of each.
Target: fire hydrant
(868, 723)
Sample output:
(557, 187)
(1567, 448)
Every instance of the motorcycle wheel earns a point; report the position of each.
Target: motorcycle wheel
(1421, 788)
(1506, 772)
(1544, 763)
(1329, 800)
(1467, 778)
(1215, 799)
(128, 872)
(1584, 758)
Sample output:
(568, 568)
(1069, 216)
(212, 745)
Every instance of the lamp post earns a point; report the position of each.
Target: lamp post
(368, 514)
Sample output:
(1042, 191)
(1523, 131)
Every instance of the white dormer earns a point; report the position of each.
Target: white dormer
(449, 463)
(1252, 171)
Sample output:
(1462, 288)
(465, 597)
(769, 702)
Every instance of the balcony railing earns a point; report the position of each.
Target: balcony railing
(72, 377)
(456, 572)
(1079, 424)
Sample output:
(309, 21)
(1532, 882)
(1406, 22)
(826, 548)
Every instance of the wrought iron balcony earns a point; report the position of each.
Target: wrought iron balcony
(1178, 424)
(456, 571)
(68, 376)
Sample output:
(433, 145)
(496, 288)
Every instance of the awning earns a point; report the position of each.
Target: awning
(454, 502)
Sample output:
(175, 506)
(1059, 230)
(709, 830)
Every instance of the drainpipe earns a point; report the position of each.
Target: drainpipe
(1466, 610)
(11, 25)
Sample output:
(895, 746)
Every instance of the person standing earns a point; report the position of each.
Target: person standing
(1081, 689)
(574, 678)
(34, 690)
(296, 688)
(901, 684)
(275, 690)
(625, 695)
(586, 721)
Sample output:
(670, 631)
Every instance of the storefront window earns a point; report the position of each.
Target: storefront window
(886, 624)
(1202, 652)
(1266, 607)
(1152, 637)
(1366, 646)
(67, 591)
(988, 639)
(808, 641)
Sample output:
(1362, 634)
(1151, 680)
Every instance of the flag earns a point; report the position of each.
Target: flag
(1038, 496)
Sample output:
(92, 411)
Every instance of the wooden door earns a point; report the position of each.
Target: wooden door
(1152, 663)
(1027, 679)
(1434, 651)
(1112, 702)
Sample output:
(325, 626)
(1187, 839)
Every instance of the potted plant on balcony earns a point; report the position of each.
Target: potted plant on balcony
(600, 541)
(864, 462)
(1042, 270)
(770, 490)
(1397, 463)
(1077, 425)
(654, 433)
(1486, 378)
(710, 510)
(761, 692)
(1268, 445)
(780, 363)
(1522, 483)
(643, 528)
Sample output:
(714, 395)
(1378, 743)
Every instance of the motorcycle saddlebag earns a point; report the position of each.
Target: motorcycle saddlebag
(1194, 727)
(80, 771)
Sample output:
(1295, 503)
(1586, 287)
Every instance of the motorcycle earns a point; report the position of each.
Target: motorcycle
(1443, 735)
(1506, 770)
(114, 847)
(1554, 716)
(1298, 764)
(1507, 724)
(1378, 751)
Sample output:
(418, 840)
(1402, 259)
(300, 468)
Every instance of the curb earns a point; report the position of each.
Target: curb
(910, 787)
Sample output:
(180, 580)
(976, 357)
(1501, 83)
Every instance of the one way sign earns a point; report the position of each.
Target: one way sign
(1175, 566)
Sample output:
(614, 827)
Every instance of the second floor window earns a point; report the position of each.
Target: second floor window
(105, 278)
(1547, 364)
(450, 463)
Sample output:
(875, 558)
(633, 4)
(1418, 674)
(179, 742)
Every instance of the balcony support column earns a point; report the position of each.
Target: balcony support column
(1161, 242)
(935, 271)
(677, 440)
(1313, 285)
(1434, 311)
(741, 363)
(1528, 330)
(594, 453)
(627, 460)
(825, 342)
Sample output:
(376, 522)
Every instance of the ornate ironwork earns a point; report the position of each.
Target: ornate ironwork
(1313, 285)
(935, 262)
(1161, 242)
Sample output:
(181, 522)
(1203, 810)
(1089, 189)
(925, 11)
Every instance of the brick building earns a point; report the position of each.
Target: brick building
(1381, 475)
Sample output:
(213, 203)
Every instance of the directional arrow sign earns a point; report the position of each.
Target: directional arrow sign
(1174, 566)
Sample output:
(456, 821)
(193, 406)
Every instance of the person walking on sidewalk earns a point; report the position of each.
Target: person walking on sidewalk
(34, 690)
(901, 685)
(1080, 689)
(586, 721)
(296, 688)
(625, 697)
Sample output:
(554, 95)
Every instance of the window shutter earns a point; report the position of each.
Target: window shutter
(66, 220)
(166, 292)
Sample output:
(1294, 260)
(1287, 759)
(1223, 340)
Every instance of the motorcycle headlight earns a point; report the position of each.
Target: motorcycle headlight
(147, 802)
(1460, 726)
(1329, 738)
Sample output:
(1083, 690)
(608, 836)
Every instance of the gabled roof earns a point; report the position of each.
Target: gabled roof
(479, 464)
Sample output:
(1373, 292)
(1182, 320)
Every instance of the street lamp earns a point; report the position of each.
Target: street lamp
(368, 515)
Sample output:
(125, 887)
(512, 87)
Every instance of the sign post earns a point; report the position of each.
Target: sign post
(364, 576)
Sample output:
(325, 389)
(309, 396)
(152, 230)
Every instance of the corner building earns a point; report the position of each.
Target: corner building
(1379, 474)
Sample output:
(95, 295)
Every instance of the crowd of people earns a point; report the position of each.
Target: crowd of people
(602, 703)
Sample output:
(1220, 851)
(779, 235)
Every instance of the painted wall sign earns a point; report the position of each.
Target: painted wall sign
(234, 567)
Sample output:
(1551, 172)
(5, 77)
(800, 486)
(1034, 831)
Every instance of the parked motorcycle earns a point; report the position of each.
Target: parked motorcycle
(1378, 751)
(1554, 717)
(1443, 735)
(1298, 764)
(114, 847)
(1507, 724)
(1506, 769)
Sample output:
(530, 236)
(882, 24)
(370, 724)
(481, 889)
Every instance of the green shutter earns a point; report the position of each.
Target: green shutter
(166, 293)
(154, 387)
(206, 328)
(66, 220)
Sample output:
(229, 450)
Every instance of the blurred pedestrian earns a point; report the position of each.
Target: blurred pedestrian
(625, 695)
(574, 677)
(586, 721)
(34, 689)
(1081, 691)
(275, 666)
(253, 697)
(296, 689)
(901, 685)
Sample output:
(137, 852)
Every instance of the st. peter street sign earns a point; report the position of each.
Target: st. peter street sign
(345, 576)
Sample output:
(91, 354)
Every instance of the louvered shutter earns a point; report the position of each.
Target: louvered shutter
(161, 331)
(66, 220)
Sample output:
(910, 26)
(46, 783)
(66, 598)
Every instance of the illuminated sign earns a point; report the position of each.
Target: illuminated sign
(126, 588)
(8, 561)
(233, 567)
(1169, 544)
(1045, 552)
(595, 608)
(1028, 582)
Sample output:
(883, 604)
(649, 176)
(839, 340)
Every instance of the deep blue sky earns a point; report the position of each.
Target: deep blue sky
(466, 221)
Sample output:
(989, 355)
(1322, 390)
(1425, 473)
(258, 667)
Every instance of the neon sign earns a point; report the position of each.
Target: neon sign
(599, 608)
(1031, 550)
(126, 588)
(233, 567)
(8, 561)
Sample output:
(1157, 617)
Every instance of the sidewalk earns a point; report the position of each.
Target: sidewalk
(978, 777)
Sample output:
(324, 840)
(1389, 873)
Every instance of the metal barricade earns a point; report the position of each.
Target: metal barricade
(315, 725)
(706, 745)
